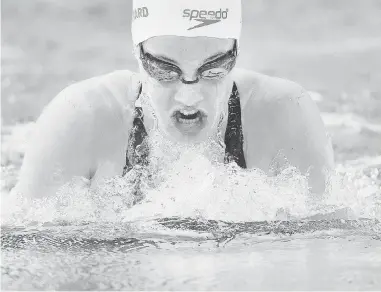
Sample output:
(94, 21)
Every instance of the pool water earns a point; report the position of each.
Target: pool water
(323, 255)
(228, 229)
(201, 225)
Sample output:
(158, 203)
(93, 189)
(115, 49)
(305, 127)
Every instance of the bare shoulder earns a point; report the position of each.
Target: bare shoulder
(275, 100)
(92, 113)
(98, 103)
(257, 87)
(278, 99)
(83, 122)
(282, 105)
(114, 91)
(279, 116)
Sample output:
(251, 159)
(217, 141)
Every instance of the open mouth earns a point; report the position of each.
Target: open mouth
(189, 120)
(188, 116)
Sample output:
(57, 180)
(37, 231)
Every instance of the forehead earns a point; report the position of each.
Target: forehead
(187, 48)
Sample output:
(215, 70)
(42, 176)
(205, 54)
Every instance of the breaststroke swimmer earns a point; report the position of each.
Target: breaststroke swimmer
(187, 52)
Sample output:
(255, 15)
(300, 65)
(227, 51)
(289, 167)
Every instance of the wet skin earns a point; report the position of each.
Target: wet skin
(192, 77)
(84, 130)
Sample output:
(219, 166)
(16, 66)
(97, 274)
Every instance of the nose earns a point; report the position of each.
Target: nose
(189, 95)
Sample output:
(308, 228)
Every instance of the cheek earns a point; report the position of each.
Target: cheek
(159, 97)
(217, 96)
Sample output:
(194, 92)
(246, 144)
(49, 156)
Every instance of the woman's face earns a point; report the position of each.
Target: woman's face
(187, 82)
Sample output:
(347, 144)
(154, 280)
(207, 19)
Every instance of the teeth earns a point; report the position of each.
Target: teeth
(188, 122)
(188, 112)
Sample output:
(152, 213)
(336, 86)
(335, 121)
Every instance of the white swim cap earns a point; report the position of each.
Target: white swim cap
(190, 18)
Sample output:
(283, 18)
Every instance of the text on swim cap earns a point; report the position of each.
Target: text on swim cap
(205, 14)
(140, 12)
(205, 17)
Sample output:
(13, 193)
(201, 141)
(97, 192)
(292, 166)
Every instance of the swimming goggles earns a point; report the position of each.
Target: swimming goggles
(165, 71)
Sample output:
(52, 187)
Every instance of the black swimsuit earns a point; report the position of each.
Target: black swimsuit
(137, 150)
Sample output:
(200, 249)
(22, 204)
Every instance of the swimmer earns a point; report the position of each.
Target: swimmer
(189, 89)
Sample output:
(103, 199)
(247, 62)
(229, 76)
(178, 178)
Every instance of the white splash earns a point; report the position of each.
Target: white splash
(194, 183)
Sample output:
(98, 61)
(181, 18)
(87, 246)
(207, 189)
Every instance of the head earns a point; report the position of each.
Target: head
(186, 67)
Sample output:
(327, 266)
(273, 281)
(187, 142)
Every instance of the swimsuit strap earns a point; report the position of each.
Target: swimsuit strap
(234, 133)
(137, 150)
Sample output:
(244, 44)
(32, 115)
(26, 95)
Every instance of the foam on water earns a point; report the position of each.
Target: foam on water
(192, 182)
(97, 239)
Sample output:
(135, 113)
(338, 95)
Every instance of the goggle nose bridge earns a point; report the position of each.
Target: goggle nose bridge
(191, 81)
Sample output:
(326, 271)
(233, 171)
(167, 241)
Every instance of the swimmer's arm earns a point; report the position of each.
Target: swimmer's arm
(60, 147)
(304, 140)
(85, 124)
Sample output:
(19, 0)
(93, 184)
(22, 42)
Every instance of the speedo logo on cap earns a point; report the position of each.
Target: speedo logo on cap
(205, 17)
